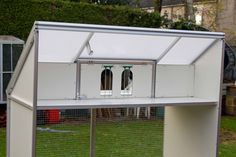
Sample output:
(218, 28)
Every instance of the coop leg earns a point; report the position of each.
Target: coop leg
(138, 111)
(127, 112)
(93, 133)
(149, 112)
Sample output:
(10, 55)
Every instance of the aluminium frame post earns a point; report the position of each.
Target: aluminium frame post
(35, 92)
(220, 96)
(78, 80)
(8, 126)
(1, 72)
(153, 83)
(93, 132)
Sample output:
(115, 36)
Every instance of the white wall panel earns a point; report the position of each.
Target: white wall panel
(20, 130)
(190, 131)
(56, 81)
(142, 80)
(90, 80)
(23, 89)
(174, 81)
(208, 73)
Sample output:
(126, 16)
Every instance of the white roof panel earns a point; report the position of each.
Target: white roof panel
(126, 46)
(63, 42)
(60, 46)
(186, 51)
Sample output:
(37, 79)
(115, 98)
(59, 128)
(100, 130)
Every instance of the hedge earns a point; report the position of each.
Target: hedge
(18, 16)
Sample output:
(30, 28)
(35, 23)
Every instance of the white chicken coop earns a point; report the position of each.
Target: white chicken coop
(80, 66)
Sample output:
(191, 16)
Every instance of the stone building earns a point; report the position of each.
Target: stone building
(215, 15)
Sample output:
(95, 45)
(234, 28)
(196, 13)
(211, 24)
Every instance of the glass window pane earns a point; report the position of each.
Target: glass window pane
(106, 82)
(16, 52)
(126, 82)
(6, 79)
(7, 57)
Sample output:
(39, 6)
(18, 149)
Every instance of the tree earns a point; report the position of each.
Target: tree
(157, 5)
(189, 13)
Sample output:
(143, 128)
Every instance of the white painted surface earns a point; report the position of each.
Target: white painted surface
(186, 51)
(208, 72)
(20, 130)
(56, 81)
(23, 89)
(60, 46)
(107, 45)
(174, 81)
(190, 131)
(90, 80)
(128, 102)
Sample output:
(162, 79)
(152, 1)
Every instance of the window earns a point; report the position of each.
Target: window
(126, 81)
(106, 81)
(16, 52)
(10, 56)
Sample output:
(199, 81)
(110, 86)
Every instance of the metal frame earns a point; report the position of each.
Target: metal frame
(8, 126)
(168, 49)
(78, 80)
(93, 132)
(206, 49)
(124, 30)
(115, 61)
(220, 97)
(35, 90)
(153, 86)
(83, 45)
(1, 73)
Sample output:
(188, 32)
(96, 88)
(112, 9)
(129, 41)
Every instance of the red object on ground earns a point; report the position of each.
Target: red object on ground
(53, 116)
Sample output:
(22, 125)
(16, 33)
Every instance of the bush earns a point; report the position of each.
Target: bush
(18, 16)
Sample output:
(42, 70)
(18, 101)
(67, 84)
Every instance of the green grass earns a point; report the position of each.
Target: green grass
(126, 139)
(228, 149)
(114, 139)
(228, 123)
(2, 142)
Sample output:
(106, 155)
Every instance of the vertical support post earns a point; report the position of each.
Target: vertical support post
(154, 67)
(220, 96)
(93, 133)
(153, 87)
(1, 70)
(8, 126)
(35, 94)
(78, 79)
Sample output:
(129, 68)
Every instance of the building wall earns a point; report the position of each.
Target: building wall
(226, 20)
(213, 15)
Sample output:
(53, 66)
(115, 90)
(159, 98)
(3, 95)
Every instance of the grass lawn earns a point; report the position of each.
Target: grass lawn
(228, 143)
(122, 139)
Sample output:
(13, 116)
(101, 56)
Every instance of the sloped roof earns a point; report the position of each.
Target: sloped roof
(68, 42)
(10, 39)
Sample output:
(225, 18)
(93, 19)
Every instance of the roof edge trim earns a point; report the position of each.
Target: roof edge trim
(41, 25)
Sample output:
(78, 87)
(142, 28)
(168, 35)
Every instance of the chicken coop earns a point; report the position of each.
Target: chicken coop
(118, 78)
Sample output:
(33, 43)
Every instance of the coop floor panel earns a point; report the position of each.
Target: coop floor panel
(127, 102)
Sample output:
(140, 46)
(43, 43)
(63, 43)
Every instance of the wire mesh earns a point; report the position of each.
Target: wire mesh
(62, 133)
(120, 132)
